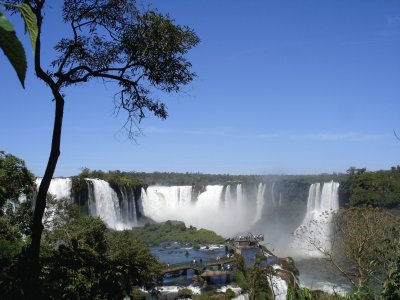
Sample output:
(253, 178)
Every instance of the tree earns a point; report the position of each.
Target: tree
(391, 285)
(363, 246)
(15, 179)
(15, 219)
(256, 281)
(379, 189)
(82, 259)
(140, 51)
(132, 263)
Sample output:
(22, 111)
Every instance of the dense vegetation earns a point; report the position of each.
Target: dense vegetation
(171, 178)
(80, 257)
(155, 234)
(202, 179)
(115, 178)
(378, 189)
(363, 246)
(15, 179)
(365, 243)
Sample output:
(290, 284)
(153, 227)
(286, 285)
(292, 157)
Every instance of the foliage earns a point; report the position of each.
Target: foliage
(298, 293)
(391, 284)
(364, 239)
(115, 178)
(15, 220)
(229, 294)
(364, 244)
(240, 279)
(80, 258)
(184, 294)
(142, 51)
(292, 183)
(137, 294)
(209, 294)
(20, 215)
(378, 189)
(83, 260)
(15, 179)
(10, 43)
(362, 293)
(258, 280)
(10, 241)
(11, 245)
(132, 262)
(255, 281)
(59, 212)
(155, 234)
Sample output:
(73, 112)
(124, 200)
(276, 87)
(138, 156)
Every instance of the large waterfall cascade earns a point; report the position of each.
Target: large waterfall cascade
(106, 204)
(313, 235)
(226, 210)
(103, 201)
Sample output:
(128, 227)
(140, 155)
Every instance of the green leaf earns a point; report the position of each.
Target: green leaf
(14, 51)
(30, 23)
(5, 24)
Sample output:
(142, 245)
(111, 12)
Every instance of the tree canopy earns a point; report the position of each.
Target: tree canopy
(141, 52)
(15, 179)
(378, 189)
(364, 249)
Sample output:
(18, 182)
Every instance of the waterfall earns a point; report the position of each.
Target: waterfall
(59, 187)
(313, 235)
(260, 202)
(132, 208)
(279, 287)
(273, 194)
(228, 197)
(240, 211)
(124, 204)
(128, 206)
(162, 203)
(102, 201)
(226, 210)
(314, 199)
(107, 203)
(91, 198)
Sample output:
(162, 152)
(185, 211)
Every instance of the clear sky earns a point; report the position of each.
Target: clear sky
(283, 87)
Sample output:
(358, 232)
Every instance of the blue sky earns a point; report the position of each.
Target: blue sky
(283, 87)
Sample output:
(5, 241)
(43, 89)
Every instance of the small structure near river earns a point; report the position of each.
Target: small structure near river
(246, 242)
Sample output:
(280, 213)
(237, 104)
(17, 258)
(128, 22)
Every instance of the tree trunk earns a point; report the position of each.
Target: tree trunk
(37, 226)
(31, 286)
